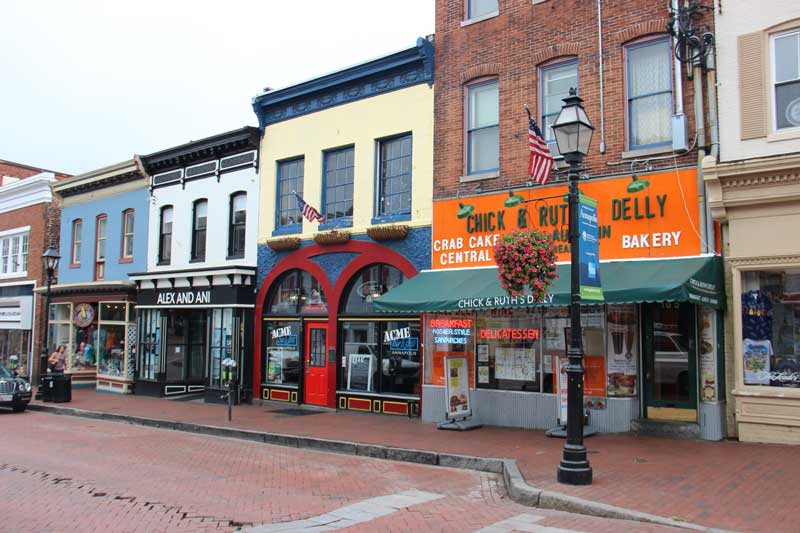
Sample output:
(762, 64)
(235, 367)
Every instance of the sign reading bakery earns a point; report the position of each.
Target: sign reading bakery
(639, 216)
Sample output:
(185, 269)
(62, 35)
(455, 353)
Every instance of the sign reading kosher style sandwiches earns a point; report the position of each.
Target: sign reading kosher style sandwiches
(638, 216)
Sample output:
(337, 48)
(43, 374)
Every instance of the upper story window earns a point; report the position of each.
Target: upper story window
(394, 177)
(557, 80)
(165, 235)
(480, 8)
(127, 234)
(786, 79)
(290, 181)
(339, 183)
(649, 94)
(199, 229)
(483, 130)
(100, 247)
(238, 223)
(77, 228)
(14, 254)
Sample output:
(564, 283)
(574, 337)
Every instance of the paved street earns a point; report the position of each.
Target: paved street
(70, 474)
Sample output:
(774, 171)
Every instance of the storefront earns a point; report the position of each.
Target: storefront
(188, 323)
(97, 328)
(16, 326)
(652, 347)
(324, 343)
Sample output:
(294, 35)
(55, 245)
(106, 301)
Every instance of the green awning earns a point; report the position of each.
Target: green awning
(695, 279)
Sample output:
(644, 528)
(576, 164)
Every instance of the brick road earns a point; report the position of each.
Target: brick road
(729, 485)
(72, 474)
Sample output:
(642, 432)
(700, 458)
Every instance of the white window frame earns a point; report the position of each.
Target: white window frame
(7, 256)
(773, 81)
(467, 131)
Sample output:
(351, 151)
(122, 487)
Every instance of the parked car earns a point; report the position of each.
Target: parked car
(15, 391)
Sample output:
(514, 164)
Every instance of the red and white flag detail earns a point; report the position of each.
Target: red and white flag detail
(541, 161)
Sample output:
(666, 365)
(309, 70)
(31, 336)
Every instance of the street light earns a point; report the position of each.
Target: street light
(50, 261)
(573, 132)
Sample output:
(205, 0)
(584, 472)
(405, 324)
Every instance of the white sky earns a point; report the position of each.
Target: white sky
(88, 83)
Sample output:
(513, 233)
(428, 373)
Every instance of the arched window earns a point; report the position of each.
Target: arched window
(365, 286)
(297, 292)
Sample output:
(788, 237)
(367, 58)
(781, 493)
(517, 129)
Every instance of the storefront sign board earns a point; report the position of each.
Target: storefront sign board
(654, 215)
(457, 388)
(562, 388)
(588, 250)
(359, 372)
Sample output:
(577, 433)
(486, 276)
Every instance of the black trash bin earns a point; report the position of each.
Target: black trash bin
(46, 387)
(62, 388)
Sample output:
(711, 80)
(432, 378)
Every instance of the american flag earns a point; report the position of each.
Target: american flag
(309, 212)
(541, 161)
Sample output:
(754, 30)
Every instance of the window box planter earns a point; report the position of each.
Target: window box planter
(284, 243)
(391, 232)
(331, 237)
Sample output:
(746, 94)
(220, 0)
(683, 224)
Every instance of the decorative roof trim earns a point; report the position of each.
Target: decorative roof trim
(406, 68)
(27, 192)
(194, 152)
(124, 172)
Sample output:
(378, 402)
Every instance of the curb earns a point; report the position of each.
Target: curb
(518, 489)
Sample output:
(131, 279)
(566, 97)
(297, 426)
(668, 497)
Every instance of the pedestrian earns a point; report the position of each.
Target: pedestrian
(56, 361)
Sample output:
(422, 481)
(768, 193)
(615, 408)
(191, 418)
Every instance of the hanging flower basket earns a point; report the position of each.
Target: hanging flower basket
(332, 237)
(284, 243)
(393, 232)
(526, 260)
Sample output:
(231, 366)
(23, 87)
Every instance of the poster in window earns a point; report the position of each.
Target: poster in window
(515, 364)
(483, 374)
(707, 352)
(623, 350)
(756, 362)
(359, 372)
(457, 388)
(483, 353)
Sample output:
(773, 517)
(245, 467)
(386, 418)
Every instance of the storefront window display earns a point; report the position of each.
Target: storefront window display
(771, 328)
(223, 324)
(149, 343)
(622, 348)
(282, 358)
(509, 351)
(112, 328)
(61, 328)
(84, 341)
(446, 335)
(14, 346)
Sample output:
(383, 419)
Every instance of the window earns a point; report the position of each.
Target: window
(165, 235)
(556, 83)
(149, 343)
(224, 323)
(295, 292)
(483, 131)
(24, 253)
(394, 177)
(14, 254)
(127, 234)
(786, 79)
(649, 93)
(238, 221)
(100, 248)
(339, 184)
(282, 359)
(479, 8)
(111, 338)
(199, 230)
(77, 228)
(367, 285)
(290, 181)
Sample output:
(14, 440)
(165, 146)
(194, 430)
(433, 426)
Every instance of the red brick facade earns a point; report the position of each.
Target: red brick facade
(512, 47)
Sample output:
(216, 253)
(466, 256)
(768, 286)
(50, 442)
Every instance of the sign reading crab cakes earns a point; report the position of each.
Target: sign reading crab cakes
(639, 216)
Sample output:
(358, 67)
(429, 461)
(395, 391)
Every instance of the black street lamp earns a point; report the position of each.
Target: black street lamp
(50, 261)
(573, 132)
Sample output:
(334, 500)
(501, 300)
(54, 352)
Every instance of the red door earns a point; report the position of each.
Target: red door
(316, 365)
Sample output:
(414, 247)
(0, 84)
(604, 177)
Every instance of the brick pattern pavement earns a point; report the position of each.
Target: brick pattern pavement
(729, 485)
(71, 474)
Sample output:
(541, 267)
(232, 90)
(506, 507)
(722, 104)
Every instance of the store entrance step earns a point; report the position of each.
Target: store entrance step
(664, 428)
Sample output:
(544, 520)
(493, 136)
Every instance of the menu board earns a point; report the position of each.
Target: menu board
(707, 352)
(359, 372)
(457, 388)
(515, 363)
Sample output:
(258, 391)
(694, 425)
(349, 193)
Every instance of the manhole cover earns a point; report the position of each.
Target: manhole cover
(294, 412)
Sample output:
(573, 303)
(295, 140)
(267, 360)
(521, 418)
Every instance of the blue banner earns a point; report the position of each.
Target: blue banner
(589, 249)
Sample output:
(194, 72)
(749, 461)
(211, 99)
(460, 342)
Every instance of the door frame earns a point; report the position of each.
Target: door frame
(307, 327)
(658, 409)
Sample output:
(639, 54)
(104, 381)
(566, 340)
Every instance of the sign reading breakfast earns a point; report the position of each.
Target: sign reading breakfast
(639, 216)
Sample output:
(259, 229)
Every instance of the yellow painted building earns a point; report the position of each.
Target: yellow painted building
(357, 147)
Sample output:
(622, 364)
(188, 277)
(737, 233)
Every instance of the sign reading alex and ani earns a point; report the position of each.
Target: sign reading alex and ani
(195, 297)
(198, 297)
(653, 215)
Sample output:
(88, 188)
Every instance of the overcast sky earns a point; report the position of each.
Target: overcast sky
(84, 83)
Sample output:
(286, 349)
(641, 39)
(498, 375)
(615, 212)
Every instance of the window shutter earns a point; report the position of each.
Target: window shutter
(752, 91)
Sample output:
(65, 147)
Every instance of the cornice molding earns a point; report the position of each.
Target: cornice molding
(738, 262)
(27, 192)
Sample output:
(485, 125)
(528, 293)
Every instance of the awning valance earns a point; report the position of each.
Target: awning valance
(695, 279)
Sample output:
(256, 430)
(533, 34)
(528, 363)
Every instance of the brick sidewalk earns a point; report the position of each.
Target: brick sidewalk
(730, 485)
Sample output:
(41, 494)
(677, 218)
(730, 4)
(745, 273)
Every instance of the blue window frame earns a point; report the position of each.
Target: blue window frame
(288, 216)
(337, 185)
(556, 83)
(649, 93)
(483, 127)
(394, 177)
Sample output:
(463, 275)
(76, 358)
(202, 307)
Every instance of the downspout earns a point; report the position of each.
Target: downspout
(677, 67)
(699, 117)
(713, 127)
(600, 54)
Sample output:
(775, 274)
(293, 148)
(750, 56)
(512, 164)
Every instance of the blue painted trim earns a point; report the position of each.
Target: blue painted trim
(406, 68)
(391, 218)
(288, 230)
(341, 222)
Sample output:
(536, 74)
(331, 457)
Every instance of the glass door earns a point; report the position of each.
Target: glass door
(670, 376)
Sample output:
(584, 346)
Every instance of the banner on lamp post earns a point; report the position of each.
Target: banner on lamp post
(589, 249)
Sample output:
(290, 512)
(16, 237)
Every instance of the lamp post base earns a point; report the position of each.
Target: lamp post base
(574, 468)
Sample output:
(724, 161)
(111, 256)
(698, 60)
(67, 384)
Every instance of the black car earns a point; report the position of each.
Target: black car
(15, 391)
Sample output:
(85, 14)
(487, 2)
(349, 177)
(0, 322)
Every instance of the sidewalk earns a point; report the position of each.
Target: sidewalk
(728, 485)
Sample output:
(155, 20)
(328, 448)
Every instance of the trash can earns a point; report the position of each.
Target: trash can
(46, 387)
(62, 388)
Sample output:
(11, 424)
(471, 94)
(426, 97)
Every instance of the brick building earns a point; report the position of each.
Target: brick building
(29, 220)
(494, 57)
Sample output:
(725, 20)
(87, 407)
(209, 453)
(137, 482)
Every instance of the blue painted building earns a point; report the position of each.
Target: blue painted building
(103, 239)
